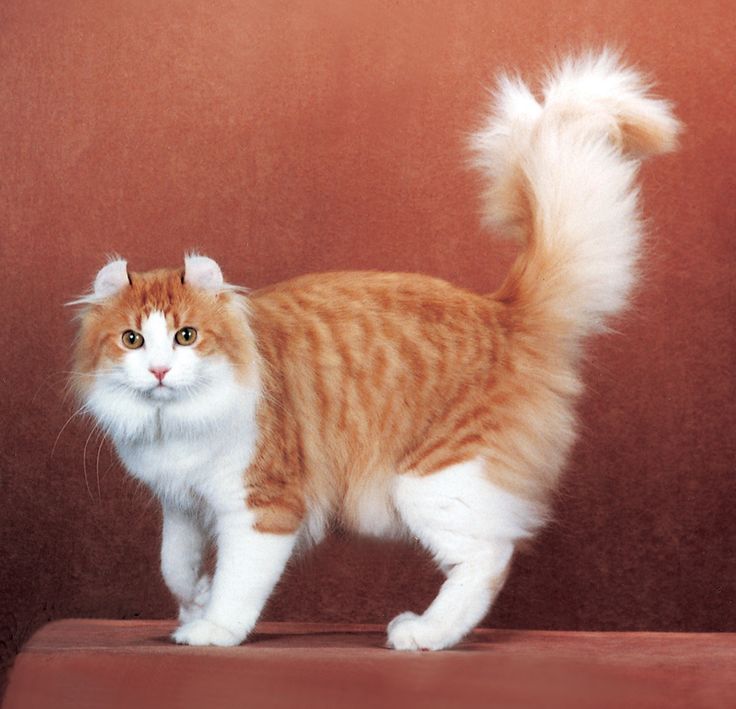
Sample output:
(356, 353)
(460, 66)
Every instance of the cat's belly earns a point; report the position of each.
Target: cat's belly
(368, 507)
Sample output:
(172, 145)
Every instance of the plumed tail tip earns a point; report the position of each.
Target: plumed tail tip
(599, 85)
(514, 102)
(497, 149)
(588, 98)
(561, 175)
(514, 110)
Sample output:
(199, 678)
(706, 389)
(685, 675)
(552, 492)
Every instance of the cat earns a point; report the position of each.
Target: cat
(392, 404)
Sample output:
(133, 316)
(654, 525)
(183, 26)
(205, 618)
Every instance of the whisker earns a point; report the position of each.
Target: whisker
(54, 379)
(79, 411)
(45, 382)
(84, 464)
(97, 467)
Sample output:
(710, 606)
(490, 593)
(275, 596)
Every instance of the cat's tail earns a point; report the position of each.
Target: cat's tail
(562, 176)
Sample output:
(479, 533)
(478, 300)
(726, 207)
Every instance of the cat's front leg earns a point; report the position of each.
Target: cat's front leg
(249, 564)
(182, 549)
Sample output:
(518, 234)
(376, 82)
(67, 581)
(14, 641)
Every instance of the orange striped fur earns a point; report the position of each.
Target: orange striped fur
(372, 375)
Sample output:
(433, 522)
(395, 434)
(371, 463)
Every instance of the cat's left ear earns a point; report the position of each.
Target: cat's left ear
(202, 272)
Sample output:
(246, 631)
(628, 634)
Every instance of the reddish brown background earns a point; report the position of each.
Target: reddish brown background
(282, 138)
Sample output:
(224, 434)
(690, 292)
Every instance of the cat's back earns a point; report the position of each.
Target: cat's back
(344, 296)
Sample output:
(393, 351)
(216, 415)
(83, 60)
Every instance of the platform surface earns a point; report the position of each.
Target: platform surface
(114, 664)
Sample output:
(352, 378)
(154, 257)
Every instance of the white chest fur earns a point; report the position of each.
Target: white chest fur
(188, 460)
(182, 470)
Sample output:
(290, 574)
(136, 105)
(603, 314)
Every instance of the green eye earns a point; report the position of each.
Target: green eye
(132, 339)
(186, 336)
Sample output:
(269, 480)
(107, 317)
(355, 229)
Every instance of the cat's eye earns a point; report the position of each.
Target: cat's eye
(132, 339)
(186, 336)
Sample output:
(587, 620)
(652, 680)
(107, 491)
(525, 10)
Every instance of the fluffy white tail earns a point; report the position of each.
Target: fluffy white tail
(562, 175)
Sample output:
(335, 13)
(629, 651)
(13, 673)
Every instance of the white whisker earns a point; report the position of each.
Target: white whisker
(97, 467)
(79, 411)
(84, 463)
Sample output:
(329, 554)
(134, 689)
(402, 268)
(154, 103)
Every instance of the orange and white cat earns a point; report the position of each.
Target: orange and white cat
(391, 404)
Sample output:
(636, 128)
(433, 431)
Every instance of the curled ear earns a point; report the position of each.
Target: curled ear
(111, 278)
(202, 272)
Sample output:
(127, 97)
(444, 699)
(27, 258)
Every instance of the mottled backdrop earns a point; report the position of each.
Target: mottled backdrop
(286, 137)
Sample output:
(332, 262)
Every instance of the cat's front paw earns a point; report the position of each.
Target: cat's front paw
(194, 609)
(410, 631)
(205, 632)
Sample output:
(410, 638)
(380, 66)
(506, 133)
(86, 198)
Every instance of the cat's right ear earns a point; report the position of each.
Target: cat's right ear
(111, 279)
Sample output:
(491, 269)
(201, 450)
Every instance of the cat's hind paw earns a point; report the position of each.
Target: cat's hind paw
(410, 631)
(205, 632)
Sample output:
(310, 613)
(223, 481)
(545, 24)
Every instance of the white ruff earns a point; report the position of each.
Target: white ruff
(195, 452)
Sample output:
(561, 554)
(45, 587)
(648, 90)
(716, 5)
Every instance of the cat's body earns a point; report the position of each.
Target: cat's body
(392, 404)
(379, 374)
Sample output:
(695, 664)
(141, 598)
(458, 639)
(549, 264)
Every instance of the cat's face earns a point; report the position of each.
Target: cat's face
(168, 339)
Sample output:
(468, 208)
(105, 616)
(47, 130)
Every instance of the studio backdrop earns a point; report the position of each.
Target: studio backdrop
(286, 137)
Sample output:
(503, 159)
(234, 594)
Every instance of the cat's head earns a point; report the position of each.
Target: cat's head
(173, 340)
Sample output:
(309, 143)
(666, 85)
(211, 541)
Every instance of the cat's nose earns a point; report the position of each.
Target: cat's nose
(159, 373)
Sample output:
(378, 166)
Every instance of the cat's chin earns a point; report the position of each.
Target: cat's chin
(162, 393)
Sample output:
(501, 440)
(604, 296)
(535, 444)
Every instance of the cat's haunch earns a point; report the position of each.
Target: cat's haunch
(391, 404)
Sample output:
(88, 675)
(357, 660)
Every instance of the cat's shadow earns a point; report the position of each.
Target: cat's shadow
(318, 640)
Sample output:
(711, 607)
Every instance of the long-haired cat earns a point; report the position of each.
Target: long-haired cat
(392, 404)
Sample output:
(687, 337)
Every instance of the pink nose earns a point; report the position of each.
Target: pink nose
(159, 373)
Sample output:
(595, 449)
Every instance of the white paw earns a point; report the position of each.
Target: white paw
(196, 607)
(410, 631)
(204, 632)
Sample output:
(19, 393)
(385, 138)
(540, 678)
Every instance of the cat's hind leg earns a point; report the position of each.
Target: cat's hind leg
(470, 526)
